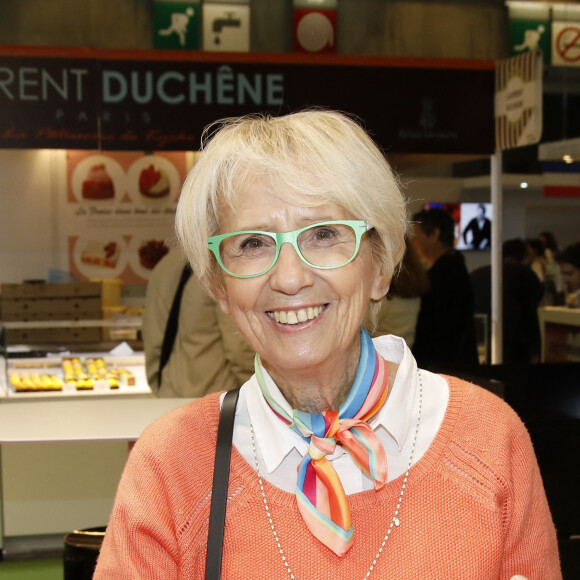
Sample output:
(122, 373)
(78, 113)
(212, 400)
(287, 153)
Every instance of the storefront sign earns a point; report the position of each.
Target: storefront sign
(149, 101)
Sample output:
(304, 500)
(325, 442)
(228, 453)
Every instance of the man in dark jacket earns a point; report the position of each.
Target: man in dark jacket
(445, 337)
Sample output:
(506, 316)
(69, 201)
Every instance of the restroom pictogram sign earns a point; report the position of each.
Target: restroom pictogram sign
(568, 44)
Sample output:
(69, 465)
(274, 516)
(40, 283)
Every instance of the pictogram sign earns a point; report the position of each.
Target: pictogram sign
(566, 43)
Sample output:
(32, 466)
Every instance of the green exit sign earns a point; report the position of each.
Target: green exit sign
(176, 25)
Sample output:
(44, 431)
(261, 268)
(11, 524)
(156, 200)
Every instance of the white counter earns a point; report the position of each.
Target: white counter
(62, 460)
(58, 421)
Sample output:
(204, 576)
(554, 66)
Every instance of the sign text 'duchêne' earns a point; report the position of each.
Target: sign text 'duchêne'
(141, 87)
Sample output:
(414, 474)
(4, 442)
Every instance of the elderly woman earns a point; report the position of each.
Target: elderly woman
(348, 461)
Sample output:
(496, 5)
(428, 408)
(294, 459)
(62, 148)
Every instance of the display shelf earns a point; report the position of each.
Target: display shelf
(37, 348)
(70, 332)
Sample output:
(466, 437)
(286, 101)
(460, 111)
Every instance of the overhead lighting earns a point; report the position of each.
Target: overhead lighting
(568, 159)
(524, 184)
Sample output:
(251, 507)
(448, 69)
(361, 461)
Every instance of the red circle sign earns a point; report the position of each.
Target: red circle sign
(568, 44)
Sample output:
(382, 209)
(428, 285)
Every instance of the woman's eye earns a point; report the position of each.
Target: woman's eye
(252, 243)
(324, 233)
(255, 243)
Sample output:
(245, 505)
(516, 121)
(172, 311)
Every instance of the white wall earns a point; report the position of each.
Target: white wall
(30, 181)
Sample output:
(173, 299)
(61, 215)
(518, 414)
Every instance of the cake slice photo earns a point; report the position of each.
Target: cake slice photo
(153, 182)
(98, 184)
(105, 255)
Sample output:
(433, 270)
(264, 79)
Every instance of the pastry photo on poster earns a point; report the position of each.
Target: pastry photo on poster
(120, 210)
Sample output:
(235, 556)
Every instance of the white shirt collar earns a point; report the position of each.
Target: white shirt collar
(277, 440)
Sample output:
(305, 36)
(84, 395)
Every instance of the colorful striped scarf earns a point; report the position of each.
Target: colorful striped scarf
(319, 492)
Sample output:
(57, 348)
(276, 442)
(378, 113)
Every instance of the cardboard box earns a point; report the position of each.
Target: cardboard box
(57, 336)
(37, 302)
(42, 290)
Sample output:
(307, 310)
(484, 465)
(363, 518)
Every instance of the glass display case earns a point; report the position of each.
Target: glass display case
(72, 358)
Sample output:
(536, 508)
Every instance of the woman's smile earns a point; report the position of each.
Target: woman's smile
(298, 316)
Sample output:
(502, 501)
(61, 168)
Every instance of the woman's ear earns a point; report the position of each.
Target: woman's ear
(381, 282)
(218, 292)
(381, 285)
(220, 295)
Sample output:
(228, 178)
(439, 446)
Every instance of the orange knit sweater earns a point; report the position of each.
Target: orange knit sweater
(474, 508)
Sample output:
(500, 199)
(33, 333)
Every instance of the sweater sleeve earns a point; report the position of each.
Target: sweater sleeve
(140, 541)
(531, 547)
(162, 504)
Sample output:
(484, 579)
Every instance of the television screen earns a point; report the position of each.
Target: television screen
(473, 224)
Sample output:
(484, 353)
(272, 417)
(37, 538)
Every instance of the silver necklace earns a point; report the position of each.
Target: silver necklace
(395, 522)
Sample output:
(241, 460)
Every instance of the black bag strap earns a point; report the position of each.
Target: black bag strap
(219, 494)
(173, 321)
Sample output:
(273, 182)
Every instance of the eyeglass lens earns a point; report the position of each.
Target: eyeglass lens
(328, 245)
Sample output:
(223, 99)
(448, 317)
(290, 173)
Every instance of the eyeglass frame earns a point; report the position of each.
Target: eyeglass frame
(360, 227)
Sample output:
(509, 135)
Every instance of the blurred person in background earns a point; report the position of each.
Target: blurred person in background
(445, 336)
(555, 284)
(569, 260)
(191, 347)
(400, 308)
(522, 293)
(536, 258)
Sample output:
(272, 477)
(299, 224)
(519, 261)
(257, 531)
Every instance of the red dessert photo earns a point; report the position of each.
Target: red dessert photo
(153, 182)
(98, 184)
(151, 252)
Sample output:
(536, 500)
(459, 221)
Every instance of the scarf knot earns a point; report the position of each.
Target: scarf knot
(319, 492)
(321, 447)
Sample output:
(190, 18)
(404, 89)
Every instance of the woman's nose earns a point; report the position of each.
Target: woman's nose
(290, 273)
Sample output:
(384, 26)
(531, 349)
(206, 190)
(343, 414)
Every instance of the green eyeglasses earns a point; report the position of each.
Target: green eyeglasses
(324, 245)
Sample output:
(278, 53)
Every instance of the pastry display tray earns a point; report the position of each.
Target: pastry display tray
(27, 378)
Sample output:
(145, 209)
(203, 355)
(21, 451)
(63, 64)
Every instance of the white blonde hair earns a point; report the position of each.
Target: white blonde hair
(312, 158)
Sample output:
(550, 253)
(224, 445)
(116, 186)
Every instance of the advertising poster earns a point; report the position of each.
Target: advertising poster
(119, 212)
(518, 100)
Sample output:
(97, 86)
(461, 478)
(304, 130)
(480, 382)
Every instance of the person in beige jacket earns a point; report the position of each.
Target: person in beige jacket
(209, 353)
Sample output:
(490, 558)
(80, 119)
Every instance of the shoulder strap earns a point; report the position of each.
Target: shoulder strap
(173, 321)
(219, 495)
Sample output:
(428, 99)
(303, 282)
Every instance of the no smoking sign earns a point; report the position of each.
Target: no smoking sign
(566, 44)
